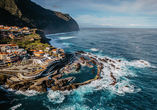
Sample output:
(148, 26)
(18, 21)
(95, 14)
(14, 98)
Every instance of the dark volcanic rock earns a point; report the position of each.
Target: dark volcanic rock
(55, 88)
(93, 71)
(78, 66)
(49, 83)
(27, 13)
(3, 79)
(73, 86)
(119, 60)
(40, 88)
(80, 52)
(93, 62)
(23, 89)
(16, 86)
(113, 65)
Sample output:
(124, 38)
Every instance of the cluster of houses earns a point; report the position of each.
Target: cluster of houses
(43, 58)
(13, 31)
(10, 53)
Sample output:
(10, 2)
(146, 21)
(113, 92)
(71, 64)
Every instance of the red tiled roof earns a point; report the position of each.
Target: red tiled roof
(12, 45)
(38, 52)
(54, 49)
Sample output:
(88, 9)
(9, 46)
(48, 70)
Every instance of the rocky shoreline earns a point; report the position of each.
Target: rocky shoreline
(55, 81)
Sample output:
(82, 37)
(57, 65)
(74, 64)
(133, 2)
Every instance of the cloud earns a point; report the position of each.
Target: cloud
(135, 25)
(56, 6)
(123, 13)
(114, 21)
(135, 7)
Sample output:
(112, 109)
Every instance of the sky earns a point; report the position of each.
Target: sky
(107, 13)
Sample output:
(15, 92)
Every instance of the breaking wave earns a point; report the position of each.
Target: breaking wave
(94, 49)
(63, 38)
(16, 106)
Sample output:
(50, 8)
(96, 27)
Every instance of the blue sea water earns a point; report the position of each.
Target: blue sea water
(137, 83)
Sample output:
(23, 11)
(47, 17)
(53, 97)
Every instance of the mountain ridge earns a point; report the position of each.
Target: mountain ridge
(28, 13)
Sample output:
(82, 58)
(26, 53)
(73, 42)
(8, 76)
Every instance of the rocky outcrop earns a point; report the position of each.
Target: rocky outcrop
(78, 66)
(55, 88)
(3, 79)
(27, 13)
(93, 62)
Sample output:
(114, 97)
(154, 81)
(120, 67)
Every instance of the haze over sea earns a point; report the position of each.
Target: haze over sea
(137, 82)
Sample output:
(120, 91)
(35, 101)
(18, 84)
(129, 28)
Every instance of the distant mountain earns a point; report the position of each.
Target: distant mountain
(27, 13)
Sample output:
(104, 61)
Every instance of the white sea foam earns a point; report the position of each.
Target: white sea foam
(16, 106)
(9, 91)
(47, 35)
(55, 96)
(67, 44)
(94, 49)
(63, 38)
(28, 93)
(139, 63)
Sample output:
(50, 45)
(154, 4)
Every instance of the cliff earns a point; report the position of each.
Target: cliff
(27, 13)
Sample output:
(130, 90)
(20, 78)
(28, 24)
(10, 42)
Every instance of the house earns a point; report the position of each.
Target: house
(47, 49)
(15, 28)
(42, 61)
(54, 51)
(12, 49)
(46, 55)
(4, 47)
(11, 36)
(13, 46)
(38, 54)
(60, 50)
(9, 57)
(25, 28)
(3, 56)
(2, 26)
(7, 27)
(3, 29)
(61, 55)
(13, 58)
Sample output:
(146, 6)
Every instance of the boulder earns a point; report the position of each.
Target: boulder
(80, 52)
(10, 81)
(57, 82)
(89, 65)
(55, 88)
(112, 65)
(39, 88)
(27, 84)
(23, 89)
(63, 88)
(49, 83)
(68, 87)
(16, 86)
(93, 71)
(106, 58)
(78, 66)
(119, 60)
(93, 62)
(73, 86)
(3, 79)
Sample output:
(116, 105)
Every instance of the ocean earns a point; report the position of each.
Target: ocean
(136, 87)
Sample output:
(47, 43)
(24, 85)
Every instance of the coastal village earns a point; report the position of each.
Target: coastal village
(29, 63)
(25, 64)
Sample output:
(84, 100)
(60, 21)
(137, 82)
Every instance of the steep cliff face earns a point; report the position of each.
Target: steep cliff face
(27, 13)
